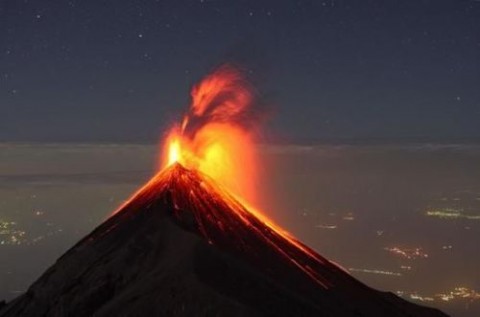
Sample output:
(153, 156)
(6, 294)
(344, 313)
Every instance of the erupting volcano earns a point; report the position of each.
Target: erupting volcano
(189, 243)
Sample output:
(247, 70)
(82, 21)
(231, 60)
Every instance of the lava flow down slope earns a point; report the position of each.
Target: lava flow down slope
(190, 242)
(183, 246)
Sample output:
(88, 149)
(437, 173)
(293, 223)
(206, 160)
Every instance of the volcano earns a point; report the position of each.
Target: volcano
(184, 246)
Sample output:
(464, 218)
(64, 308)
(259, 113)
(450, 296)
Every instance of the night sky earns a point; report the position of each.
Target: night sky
(121, 71)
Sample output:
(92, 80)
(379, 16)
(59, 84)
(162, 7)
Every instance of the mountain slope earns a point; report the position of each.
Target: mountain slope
(183, 246)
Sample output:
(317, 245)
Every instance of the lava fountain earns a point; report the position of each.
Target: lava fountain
(217, 134)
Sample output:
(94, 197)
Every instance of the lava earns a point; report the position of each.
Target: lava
(216, 135)
(212, 154)
(223, 220)
(184, 239)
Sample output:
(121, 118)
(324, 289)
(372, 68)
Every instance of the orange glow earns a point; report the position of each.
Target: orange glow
(228, 221)
(173, 152)
(209, 171)
(214, 136)
(215, 140)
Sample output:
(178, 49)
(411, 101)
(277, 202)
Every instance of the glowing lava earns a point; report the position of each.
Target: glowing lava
(209, 172)
(225, 221)
(216, 139)
(216, 135)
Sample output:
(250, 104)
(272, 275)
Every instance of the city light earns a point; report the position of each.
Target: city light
(451, 213)
(407, 253)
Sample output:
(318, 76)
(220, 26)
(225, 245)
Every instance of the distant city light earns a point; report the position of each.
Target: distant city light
(320, 226)
(349, 216)
(451, 213)
(458, 293)
(407, 253)
(374, 271)
(9, 234)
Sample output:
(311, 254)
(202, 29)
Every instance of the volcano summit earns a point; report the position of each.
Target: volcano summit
(184, 246)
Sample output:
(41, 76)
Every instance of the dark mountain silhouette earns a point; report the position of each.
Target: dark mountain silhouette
(183, 246)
